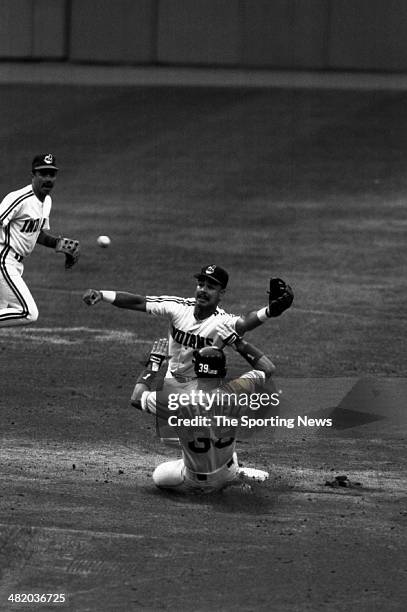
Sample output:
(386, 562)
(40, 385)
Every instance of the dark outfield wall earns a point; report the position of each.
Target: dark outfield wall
(299, 34)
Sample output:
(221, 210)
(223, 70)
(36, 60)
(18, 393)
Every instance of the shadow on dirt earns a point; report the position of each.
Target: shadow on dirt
(242, 499)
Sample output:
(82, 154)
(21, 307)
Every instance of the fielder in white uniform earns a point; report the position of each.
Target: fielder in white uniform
(24, 221)
(207, 432)
(193, 321)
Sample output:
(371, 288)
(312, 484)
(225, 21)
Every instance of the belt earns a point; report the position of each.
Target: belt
(205, 476)
(18, 257)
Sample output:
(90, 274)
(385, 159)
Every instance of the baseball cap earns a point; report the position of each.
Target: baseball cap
(214, 273)
(44, 160)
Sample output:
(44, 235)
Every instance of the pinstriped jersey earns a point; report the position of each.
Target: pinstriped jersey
(22, 217)
(186, 333)
(207, 446)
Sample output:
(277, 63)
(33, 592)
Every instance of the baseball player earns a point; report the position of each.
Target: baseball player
(206, 423)
(24, 221)
(193, 321)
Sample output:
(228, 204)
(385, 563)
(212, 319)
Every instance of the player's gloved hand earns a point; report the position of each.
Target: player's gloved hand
(226, 335)
(70, 248)
(281, 297)
(158, 354)
(92, 296)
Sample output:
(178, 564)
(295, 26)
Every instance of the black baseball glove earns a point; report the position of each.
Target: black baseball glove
(281, 297)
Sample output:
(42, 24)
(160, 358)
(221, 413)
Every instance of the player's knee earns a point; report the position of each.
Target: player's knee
(33, 313)
(27, 317)
(168, 474)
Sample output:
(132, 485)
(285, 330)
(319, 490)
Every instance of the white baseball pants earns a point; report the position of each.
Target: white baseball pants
(17, 306)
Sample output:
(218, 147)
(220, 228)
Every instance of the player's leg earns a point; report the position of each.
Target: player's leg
(17, 306)
(214, 482)
(230, 474)
(169, 475)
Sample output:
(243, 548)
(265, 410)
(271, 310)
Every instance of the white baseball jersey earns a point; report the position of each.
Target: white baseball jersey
(186, 333)
(208, 446)
(22, 217)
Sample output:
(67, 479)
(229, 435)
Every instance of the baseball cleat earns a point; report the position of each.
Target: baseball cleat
(246, 473)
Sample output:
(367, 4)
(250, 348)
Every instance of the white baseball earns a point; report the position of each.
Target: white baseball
(103, 241)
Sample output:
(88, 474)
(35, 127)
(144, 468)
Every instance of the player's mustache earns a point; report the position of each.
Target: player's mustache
(48, 184)
(201, 294)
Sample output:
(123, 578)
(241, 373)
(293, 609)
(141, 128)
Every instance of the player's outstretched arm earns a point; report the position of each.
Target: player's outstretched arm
(121, 299)
(281, 297)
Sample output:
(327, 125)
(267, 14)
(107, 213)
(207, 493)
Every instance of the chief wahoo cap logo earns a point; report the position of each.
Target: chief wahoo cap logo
(48, 159)
(210, 269)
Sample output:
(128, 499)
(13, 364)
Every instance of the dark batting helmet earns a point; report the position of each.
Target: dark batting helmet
(210, 362)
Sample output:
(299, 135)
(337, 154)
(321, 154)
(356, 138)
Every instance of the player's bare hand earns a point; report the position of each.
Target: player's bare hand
(92, 296)
(225, 335)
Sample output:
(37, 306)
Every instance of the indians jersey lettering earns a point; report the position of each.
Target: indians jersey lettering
(22, 217)
(206, 447)
(186, 333)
